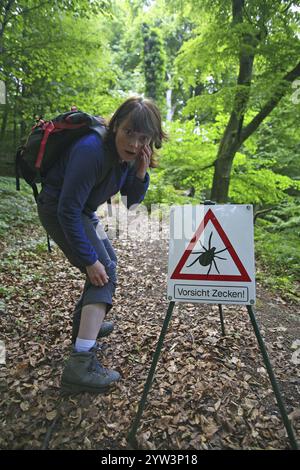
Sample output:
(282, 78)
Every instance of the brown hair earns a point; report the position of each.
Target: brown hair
(144, 117)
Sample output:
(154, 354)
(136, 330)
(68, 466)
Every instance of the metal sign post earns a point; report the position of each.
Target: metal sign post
(281, 406)
(133, 430)
(211, 259)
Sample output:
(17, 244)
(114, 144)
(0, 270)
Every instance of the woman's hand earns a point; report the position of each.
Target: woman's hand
(143, 161)
(97, 274)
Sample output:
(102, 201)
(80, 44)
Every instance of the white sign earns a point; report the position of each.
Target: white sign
(211, 254)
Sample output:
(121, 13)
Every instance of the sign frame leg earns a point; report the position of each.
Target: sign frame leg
(222, 320)
(283, 412)
(132, 433)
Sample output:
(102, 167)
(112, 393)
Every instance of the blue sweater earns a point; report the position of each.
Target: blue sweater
(73, 181)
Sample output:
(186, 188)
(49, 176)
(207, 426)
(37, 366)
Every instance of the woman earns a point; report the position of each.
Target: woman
(72, 190)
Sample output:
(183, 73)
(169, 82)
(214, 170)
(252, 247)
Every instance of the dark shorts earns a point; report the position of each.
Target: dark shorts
(47, 210)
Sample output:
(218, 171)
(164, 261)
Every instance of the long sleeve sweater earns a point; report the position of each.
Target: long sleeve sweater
(76, 180)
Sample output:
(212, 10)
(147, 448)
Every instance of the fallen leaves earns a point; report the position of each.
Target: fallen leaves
(209, 391)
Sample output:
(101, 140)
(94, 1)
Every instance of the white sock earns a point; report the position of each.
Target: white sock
(84, 345)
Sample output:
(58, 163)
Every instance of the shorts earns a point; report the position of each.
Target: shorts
(47, 211)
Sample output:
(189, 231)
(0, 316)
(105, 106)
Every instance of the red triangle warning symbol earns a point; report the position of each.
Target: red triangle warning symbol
(208, 255)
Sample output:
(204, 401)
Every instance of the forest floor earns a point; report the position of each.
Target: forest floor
(210, 391)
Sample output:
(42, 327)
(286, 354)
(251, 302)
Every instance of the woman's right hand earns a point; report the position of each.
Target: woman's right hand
(97, 274)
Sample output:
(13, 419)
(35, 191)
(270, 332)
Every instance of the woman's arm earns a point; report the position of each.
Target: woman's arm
(137, 181)
(82, 172)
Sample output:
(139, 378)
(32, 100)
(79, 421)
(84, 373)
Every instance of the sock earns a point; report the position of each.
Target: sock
(84, 345)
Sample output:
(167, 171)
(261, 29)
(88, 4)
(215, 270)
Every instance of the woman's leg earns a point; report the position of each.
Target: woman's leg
(109, 253)
(82, 371)
(106, 255)
(47, 210)
(92, 316)
(96, 301)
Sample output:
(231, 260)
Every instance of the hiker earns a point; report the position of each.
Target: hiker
(70, 195)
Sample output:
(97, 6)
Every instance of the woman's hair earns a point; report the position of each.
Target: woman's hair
(144, 117)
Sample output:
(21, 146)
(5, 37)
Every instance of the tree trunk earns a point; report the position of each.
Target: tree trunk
(230, 141)
(226, 153)
(221, 180)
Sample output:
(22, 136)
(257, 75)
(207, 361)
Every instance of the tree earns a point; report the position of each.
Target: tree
(253, 38)
(52, 59)
(154, 63)
(236, 132)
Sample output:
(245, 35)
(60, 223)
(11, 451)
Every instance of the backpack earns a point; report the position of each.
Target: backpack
(48, 140)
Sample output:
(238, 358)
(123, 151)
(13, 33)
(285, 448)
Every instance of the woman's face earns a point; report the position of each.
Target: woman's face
(128, 142)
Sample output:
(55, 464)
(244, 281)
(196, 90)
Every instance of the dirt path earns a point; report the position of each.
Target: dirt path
(210, 392)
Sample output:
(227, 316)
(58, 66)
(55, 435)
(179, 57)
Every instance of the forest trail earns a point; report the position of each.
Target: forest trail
(210, 392)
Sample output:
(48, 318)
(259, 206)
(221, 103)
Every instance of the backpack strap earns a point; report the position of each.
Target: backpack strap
(35, 191)
(18, 156)
(49, 127)
(48, 243)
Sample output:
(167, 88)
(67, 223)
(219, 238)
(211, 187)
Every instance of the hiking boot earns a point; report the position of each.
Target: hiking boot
(106, 329)
(83, 373)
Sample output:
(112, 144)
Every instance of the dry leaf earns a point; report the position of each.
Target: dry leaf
(295, 415)
(87, 443)
(51, 415)
(24, 406)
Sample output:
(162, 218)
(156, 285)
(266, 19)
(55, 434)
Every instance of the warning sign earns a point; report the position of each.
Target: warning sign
(211, 256)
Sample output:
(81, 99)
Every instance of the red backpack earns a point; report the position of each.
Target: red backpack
(48, 140)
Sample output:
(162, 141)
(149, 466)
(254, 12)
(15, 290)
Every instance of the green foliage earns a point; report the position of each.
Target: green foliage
(188, 156)
(285, 217)
(17, 209)
(252, 181)
(280, 261)
(92, 54)
(52, 59)
(161, 193)
(277, 140)
(277, 238)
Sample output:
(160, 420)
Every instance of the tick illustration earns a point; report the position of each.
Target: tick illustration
(207, 257)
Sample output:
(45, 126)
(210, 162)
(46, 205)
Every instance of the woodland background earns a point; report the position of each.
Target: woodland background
(226, 75)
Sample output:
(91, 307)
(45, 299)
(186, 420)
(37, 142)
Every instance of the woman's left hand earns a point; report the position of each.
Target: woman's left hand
(143, 161)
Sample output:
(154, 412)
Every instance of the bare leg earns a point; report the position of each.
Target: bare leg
(92, 316)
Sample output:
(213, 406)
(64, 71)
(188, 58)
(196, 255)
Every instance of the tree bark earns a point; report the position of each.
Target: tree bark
(230, 141)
